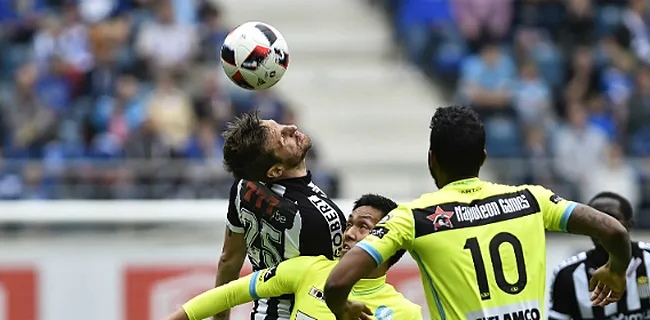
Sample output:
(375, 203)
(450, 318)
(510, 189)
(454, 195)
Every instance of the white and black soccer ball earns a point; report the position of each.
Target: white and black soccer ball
(255, 56)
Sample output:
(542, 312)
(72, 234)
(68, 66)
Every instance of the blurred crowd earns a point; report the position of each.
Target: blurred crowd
(563, 86)
(119, 99)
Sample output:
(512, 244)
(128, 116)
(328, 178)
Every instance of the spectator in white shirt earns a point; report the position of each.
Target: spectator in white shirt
(579, 147)
(166, 44)
(616, 175)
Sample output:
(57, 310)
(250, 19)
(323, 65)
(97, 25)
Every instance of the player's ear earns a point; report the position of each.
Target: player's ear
(432, 159)
(484, 157)
(275, 171)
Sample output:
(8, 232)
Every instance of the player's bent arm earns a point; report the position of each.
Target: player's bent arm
(232, 257)
(608, 231)
(394, 232)
(230, 262)
(353, 266)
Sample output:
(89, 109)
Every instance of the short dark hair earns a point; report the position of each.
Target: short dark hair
(458, 140)
(626, 206)
(244, 150)
(384, 205)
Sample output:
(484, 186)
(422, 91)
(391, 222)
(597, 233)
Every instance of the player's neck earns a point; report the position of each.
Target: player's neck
(445, 180)
(298, 171)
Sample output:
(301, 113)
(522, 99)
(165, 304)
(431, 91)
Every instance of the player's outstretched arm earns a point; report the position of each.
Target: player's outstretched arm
(230, 262)
(607, 230)
(272, 282)
(353, 266)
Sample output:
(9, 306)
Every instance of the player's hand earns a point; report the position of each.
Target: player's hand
(355, 310)
(606, 285)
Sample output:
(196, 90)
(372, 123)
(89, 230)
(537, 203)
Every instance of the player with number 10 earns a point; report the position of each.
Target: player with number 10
(480, 246)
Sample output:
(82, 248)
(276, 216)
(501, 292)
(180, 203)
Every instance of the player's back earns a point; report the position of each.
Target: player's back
(281, 220)
(481, 248)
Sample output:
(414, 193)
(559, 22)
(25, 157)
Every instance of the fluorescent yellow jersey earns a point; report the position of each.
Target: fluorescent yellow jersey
(480, 247)
(304, 277)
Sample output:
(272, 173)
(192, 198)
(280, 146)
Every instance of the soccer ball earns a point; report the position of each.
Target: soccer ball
(255, 56)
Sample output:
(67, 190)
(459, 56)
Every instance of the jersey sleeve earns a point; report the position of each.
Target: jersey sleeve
(394, 232)
(561, 300)
(555, 210)
(272, 282)
(219, 299)
(281, 279)
(233, 222)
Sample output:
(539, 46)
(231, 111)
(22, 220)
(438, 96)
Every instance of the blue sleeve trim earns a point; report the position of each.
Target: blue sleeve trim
(252, 286)
(372, 252)
(565, 216)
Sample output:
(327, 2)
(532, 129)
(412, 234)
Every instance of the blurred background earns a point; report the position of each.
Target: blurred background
(122, 102)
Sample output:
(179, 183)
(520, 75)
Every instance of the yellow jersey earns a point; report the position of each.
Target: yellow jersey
(480, 247)
(305, 278)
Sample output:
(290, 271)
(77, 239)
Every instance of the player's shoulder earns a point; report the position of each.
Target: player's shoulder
(570, 264)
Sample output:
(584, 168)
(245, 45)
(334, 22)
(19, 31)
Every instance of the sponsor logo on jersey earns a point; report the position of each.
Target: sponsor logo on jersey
(505, 205)
(317, 293)
(332, 218)
(556, 199)
(270, 273)
(441, 219)
(384, 313)
(379, 232)
(528, 310)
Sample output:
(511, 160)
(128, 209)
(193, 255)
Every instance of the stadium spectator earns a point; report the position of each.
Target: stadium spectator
(32, 123)
(617, 174)
(479, 19)
(487, 79)
(170, 110)
(166, 43)
(579, 147)
(532, 98)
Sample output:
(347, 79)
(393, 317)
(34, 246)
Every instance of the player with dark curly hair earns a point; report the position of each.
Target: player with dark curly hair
(275, 210)
(480, 246)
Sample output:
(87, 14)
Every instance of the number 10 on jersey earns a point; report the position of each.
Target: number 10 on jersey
(472, 245)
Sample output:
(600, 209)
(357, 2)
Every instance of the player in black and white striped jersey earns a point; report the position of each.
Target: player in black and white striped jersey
(570, 296)
(275, 210)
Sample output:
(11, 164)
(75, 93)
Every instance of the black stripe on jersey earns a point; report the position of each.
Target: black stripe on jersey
(268, 33)
(272, 309)
(456, 215)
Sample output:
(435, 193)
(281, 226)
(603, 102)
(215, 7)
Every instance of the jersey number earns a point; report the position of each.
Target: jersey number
(481, 277)
(270, 237)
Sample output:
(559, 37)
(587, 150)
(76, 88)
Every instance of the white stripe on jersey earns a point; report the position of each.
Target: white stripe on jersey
(557, 315)
(580, 284)
(291, 247)
(238, 207)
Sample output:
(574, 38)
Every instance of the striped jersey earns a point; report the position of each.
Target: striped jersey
(282, 220)
(570, 288)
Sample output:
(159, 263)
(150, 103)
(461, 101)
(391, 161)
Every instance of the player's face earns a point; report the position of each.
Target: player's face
(362, 220)
(287, 143)
(611, 207)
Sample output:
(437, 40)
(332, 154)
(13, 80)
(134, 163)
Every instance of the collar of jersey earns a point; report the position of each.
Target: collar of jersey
(462, 183)
(368, 286)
